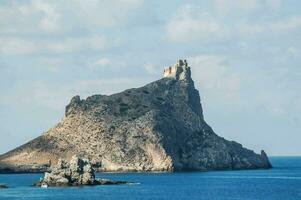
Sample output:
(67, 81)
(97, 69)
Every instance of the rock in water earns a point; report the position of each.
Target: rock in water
(2, 186)
(158, 127)
(78, 172)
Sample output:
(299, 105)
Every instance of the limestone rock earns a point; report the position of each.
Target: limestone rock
(158, 127)
(77, 172)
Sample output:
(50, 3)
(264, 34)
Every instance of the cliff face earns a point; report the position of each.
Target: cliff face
(158, 127)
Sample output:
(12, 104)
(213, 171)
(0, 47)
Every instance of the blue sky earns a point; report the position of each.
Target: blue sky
(245, 59)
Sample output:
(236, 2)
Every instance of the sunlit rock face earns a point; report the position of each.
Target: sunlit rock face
(77, 172)
(158, 127)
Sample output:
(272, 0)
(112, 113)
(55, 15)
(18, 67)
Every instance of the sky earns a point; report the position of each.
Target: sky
(245, 58)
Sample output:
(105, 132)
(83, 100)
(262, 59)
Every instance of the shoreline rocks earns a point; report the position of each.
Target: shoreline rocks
(77, 172)
(3, 186)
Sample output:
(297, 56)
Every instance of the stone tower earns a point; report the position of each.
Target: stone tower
(179, 71)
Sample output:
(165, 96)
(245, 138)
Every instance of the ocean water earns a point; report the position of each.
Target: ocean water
(283, 182)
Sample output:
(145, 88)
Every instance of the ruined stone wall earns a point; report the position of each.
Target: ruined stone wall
(170, 71)
(176, 71)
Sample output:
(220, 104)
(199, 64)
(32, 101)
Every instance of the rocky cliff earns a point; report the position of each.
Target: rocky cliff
(158, 127)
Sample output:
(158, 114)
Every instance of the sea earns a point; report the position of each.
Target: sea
(283, 182)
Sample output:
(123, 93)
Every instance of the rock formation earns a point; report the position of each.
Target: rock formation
(78, 172)
(2, 186)
(158, 127)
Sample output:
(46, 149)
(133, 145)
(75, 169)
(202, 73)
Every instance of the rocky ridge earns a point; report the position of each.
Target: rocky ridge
(157, 127)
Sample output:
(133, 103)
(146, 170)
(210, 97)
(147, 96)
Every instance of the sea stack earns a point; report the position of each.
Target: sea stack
(157, 127)
(77, 172)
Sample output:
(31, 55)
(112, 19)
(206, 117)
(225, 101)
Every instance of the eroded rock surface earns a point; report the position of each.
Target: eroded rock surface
(77, 172)
(158, 127)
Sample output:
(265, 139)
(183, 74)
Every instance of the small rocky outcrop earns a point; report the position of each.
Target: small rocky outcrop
(3, 186)
(77, 172)
(157, 127)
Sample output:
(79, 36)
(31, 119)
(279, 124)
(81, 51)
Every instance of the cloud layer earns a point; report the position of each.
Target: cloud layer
(245, 59)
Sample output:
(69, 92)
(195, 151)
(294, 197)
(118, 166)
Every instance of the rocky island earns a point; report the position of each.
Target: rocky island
(157, 127)
(77, 172)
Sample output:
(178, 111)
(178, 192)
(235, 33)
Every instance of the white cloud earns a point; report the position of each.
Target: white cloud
(298, 104)
(107, 62)
(227, 87)
(150, 69)
(46, 26)
(47, 16)
(50, 18)
(274, 4)
(287, 24)
(17, 46)
(230, 7)
(105, 13)
(246, 30)
(75, 44)
(222, 7)
(30, 17)
(52, 64)
(103, 62)
(215, 78)
(293, 51)
(247, 5)
(274, 27)
(188, 25)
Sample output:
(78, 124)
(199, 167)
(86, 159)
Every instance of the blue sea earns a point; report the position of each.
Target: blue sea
(283, 182)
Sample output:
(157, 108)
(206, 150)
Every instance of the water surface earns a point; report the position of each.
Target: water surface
(283, 182)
